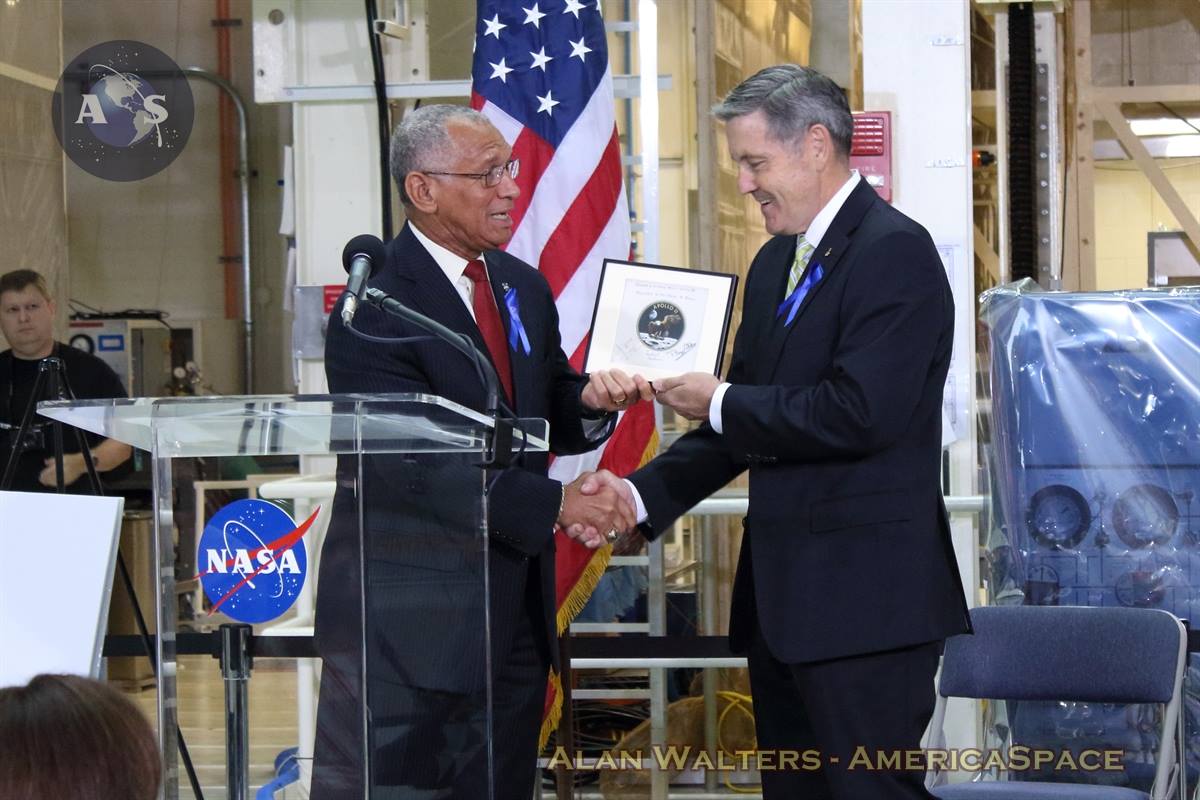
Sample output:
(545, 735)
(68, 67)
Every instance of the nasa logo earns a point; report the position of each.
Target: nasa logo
(122, 110)
(252, 560)
(660, 325)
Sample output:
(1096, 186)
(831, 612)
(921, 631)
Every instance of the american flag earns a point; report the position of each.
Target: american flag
(541, 75)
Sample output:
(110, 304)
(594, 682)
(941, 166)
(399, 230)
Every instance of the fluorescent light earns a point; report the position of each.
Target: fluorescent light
(1182, 146)
(1164, 126)
(1157, 146)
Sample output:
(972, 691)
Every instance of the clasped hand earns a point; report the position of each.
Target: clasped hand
(613, 390)
(689, 394)
(598, 509)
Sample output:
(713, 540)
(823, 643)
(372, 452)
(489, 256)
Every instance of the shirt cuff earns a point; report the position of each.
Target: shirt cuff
(714, 407)
(642, 516)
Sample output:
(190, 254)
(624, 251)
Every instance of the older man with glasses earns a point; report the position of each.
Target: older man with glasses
(430, 723)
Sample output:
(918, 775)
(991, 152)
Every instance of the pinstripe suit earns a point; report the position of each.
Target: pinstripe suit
(426, 635)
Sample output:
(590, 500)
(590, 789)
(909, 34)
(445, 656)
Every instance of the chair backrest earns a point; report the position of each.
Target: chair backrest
(1105, 655)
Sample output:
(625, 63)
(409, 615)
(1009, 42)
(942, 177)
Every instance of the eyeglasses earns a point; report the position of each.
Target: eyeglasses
(492, 177)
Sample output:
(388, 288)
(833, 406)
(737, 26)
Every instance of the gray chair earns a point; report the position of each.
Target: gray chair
(1096, 655)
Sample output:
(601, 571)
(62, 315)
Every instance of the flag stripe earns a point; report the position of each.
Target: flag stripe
(620, 454)
(509, 127)
(577, 301)
(585, 220)
(625, 449)
(578, 353)
(569, 171)
(534, 154)
(532, 151)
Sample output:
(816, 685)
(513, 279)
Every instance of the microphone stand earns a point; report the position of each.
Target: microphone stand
(51, 383)
(499, 452)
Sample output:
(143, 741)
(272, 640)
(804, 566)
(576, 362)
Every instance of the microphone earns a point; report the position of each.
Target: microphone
(499, 452)
(361, 257)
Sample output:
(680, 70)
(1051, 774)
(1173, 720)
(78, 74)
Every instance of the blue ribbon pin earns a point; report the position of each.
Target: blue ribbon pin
(516, 331)
(793, 301)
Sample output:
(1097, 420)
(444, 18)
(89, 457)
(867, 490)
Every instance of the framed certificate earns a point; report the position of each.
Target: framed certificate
(659, 321)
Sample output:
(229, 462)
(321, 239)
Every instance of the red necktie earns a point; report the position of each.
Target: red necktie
(488, 320)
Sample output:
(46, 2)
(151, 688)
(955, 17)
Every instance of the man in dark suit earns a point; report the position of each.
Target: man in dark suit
(847, 582)
(426, 641)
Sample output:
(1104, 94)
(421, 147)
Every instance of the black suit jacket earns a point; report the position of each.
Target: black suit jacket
(426, 612)
(838, 419)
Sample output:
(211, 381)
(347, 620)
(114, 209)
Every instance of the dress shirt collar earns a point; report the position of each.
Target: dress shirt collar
(450, 263)
(824, 218)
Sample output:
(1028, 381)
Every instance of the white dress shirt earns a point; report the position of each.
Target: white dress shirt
(455, 267)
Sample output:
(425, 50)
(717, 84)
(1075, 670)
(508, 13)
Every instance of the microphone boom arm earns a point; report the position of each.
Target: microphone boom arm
(500, 447)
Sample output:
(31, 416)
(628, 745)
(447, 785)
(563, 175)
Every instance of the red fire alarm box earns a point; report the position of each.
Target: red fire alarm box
(871, 150)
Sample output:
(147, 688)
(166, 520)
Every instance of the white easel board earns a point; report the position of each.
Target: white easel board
(57, 553)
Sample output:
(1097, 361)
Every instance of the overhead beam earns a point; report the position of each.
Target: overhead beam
(1138, 152)
(1166, 93)
(25, 76)
(1000, 6)
(1177, 146)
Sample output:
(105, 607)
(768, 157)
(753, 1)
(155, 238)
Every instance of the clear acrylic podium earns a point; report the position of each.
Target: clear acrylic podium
(405, 558)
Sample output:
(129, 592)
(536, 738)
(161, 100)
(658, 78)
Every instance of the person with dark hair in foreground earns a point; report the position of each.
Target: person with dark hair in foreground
(67, 736)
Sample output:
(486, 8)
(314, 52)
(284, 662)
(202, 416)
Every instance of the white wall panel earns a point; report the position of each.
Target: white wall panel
(916, 65)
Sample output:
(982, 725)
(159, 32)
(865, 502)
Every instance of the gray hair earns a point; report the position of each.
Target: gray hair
(421, 140)
(793, 98)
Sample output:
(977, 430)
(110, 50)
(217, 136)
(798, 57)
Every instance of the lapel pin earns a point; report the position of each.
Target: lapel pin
(505, 286)
(827, 252)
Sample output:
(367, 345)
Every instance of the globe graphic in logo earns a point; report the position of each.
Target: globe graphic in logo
(111, 121)
(122, 96)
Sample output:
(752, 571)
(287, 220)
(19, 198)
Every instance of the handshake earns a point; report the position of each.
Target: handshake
(598, 509)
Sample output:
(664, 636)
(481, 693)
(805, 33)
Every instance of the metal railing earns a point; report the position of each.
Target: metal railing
(726, 503)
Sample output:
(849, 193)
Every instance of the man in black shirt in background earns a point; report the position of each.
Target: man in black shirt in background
(27, 322)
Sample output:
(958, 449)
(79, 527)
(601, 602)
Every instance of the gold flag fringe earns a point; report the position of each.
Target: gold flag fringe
(550, 721)
(574, 602)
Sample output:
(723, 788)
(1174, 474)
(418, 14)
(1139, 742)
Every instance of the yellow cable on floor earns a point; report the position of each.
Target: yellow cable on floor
(742, 702)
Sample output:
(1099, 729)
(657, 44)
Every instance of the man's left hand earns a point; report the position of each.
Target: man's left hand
(613, 390)
(689, 394)
(73, 469)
